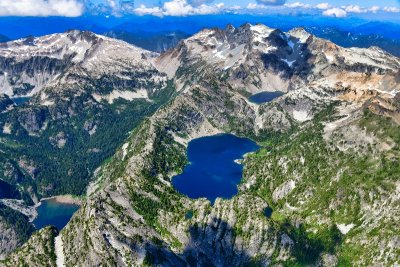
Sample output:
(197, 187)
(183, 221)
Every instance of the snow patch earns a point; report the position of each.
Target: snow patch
(59, 250)
(124, 150)
(48, 103)
(7, 128)
(301, 115)
(290, 63)
(329, 58)
(260, 32)
(127, 95)
(344, 229)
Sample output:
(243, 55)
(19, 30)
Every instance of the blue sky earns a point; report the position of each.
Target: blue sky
(179, 8)
(315, 2)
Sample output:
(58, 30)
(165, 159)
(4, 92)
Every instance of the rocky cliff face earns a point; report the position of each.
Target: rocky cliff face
(15, 230)
(256, 58)
(39, 250)
(74, 59)
(331, 148)
(82, 89)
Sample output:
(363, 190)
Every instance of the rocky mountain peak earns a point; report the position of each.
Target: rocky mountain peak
(229, 28)
(30, 64)
(301, 33)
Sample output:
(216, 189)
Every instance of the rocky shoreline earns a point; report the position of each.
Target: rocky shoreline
(20, 206)
(65, 199)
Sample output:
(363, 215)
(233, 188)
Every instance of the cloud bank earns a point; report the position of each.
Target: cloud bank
(43, 8)
(335, 12)
(180, 8)
(74, 8)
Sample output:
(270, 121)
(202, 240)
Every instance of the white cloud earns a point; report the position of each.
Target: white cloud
(179, 8)
(323, 6)
(252, 6)
(374, 9)
(354, 9)
(235, 7)
(297, 5)
(112, 3)
(335, 12)
(143, 10)
(255, 6)
(43, 8)
(392, 9)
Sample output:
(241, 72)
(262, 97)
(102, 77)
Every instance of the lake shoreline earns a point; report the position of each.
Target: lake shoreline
(63, 199)
(31, 211)
(56, 211)
(216, 167)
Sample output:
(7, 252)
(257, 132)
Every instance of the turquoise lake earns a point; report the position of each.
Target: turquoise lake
(51, 212)
(212, 171)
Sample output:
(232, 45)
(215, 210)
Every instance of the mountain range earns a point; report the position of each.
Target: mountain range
(112, 122)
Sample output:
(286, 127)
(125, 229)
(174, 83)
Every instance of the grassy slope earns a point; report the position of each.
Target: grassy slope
(331, 188)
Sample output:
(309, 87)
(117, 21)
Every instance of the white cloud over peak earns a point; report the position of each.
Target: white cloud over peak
(354, 9)
(335, 12)
(254, 6)
(179, 8)
(323, 6)
(143, 10)
(374, 9)
(298, 5)
(358, 9)
(43, 8)
(392, 9)
(204, 7)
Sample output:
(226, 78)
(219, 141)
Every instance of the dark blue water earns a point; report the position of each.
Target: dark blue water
(189, 215)
(8, 191)
(212, 171)
(54, 213)
(264, 97)
(20, 100)
(268, 212)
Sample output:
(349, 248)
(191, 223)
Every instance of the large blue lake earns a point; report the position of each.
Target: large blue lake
(212, 171)
(51, 212)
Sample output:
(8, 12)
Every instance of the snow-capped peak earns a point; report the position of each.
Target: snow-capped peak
(60, 58)
(301, 34)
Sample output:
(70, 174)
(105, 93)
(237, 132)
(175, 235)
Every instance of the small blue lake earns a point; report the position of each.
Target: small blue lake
(212, 171)
(264, 97)
(19, 101)
(51, 212)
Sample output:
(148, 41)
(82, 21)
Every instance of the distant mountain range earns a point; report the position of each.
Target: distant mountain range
(3, 38)
(390, 43)
(153, 41)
